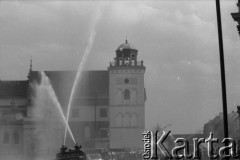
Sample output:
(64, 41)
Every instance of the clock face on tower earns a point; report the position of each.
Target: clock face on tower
(126, 81)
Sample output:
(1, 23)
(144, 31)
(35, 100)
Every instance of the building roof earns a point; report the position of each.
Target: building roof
(93, 87)
(126, 46)
(13, 89)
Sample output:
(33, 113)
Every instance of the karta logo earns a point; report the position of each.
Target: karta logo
(154, 146)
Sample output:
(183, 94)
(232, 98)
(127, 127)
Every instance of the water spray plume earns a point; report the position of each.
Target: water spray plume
(81, 66)
(47, 85)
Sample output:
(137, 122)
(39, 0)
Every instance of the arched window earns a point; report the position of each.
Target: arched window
(133, 97)
(6, 138)
(126, 120)
(87, 132)
(16, 138)
(119, 120)
(134, 120)
(126, 94)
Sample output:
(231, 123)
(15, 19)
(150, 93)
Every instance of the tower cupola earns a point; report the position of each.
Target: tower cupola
(126, 55)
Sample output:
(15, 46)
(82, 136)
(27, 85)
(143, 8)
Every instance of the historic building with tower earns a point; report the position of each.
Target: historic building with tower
(126, 98)
(108, 110)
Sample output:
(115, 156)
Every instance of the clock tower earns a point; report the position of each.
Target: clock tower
(126, 99)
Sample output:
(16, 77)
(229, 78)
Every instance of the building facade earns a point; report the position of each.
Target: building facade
(126, 98)
(108, 109)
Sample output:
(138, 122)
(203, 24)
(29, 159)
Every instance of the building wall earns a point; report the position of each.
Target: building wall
(17, 101)
(126, 138)
(127, 116)
(90, 125)
(118, 125)
(117, 84)
(88, 113)
(11, 141)
(12, 113)
(127, 111)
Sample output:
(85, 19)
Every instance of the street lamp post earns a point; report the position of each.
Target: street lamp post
(221, 54)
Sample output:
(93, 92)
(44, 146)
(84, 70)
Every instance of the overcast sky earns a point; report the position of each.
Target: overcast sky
(176, 39)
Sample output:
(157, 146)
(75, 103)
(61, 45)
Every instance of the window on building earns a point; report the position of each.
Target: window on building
(16, 138)
(103, 133)
(103, 113)
(119, 120)
(134, 120)
(126, 120)
(133, 97)
(126, 94)
(6, 138)
(75, 113)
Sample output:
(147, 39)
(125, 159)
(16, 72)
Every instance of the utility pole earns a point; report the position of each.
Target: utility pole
(222, 68)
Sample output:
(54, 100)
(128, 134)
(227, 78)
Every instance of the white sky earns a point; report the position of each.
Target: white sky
(176, 39)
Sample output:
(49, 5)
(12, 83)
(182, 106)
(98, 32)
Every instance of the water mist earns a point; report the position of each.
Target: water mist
(81, 66)
(45, 84)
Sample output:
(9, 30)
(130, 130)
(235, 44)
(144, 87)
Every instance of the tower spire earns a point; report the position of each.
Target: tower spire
(126, 39)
